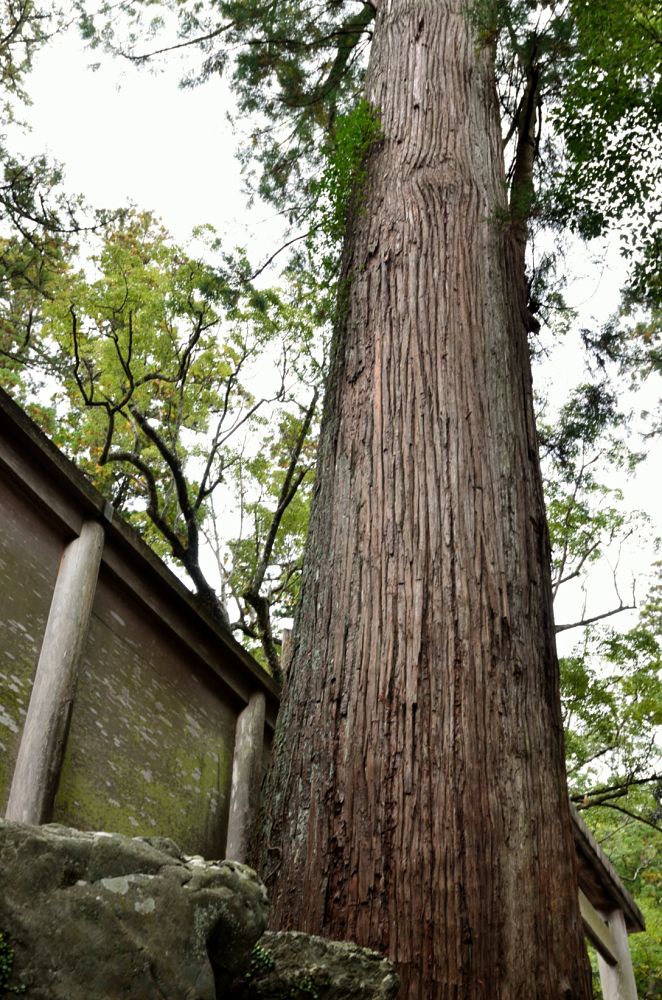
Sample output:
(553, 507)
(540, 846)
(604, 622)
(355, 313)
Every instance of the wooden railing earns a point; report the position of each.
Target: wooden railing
(609, 914)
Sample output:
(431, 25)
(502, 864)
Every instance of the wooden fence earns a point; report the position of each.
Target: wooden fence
(124, 708)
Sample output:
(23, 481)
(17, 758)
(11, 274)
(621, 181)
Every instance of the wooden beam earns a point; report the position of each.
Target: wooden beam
(44, 739)
(597, 931)
(598, 878)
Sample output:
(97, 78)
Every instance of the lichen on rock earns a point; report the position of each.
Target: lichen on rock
(94, 916)
(100, 916)
(289, 965)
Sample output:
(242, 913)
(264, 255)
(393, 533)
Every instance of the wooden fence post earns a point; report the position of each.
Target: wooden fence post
(286, 651)
(617, 980)
(44, 739)
(246, 777)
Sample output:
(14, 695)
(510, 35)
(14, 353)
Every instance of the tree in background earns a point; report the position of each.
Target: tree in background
(611, 681)
(38, 219)
(153, 358)
(263, 571)
(612, 700)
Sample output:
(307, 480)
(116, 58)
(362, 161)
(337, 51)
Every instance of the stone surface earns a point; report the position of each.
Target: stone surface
(96, 916)
(293, 966)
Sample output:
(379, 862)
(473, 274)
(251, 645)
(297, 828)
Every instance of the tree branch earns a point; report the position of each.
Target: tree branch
(258, 602)
(626, 812)
(152, 511)
(596, 618)
(617, 790)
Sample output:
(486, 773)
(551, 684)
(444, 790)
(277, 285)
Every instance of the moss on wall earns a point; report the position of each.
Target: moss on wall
(29, 558)
(151, 740)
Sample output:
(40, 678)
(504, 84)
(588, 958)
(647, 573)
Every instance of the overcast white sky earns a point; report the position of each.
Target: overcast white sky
(125, 133)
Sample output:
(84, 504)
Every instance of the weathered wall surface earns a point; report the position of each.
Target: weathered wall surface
(150, 742)
(150, 745)
(27, 578)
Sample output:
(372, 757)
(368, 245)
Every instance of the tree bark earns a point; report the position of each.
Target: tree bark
(417, 801)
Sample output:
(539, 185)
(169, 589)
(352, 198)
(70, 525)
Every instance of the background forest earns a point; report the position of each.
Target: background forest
(187, 380)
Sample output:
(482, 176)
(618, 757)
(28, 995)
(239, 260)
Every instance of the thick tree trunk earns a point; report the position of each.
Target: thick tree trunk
(417, 801)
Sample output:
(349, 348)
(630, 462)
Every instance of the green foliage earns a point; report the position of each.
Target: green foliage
(636, 852)
(257, 488)
(302, 988)
(261, 961)
(609, 116)
(295, 67)
(6, 965)
(262, 478)
(144, 334)
(297, 70)
(584, 515)
(611, 689)
(36, 216)
(337, 195)
(612, 705)
(612, 701)
(344, 176)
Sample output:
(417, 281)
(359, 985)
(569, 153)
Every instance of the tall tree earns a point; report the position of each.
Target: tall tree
(417, 800)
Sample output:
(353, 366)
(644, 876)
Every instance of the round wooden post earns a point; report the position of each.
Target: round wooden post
(44, 739)
(617, 980)
(246, 777)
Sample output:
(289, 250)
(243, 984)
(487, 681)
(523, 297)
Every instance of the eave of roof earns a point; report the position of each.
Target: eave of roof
(599, 880)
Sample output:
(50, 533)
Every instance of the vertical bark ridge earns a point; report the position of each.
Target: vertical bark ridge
(417, 799)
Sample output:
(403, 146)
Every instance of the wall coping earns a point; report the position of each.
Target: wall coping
(599, 880)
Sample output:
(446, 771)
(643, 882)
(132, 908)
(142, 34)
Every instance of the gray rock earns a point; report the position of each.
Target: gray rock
(97, 916)
(291, 966)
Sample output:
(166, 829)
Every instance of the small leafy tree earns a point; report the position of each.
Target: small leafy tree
(585, 516)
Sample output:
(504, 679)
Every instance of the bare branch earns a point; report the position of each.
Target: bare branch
(152, 511)
(596, 618)
(259, 602)
(585, 800)
(174, 464)
(289, 488)
(289, 243)
(179, 45)
(595, 756)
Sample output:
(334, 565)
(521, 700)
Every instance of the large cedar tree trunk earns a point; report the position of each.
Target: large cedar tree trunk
(417, 801)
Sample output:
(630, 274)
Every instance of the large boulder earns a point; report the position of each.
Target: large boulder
(97, 916)
(296, 966)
